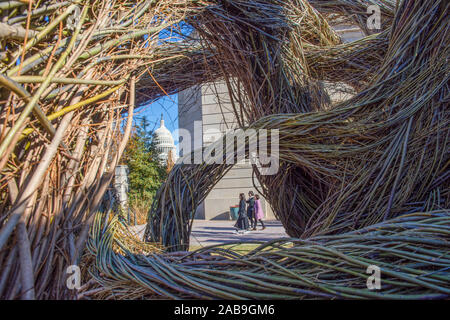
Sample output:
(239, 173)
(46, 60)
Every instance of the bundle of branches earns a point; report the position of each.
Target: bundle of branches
(380, 154)
(411, 252)
(68, 71)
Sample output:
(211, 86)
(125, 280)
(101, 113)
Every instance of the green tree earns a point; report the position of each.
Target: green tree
(146, 173)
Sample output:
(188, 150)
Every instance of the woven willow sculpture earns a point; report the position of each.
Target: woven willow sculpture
(68, 77)
(68, 73)
(411, 251)
(382, 153)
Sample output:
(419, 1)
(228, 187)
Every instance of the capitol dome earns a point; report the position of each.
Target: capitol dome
(164, 142)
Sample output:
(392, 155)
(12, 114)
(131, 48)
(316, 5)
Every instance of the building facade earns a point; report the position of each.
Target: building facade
(206, 112)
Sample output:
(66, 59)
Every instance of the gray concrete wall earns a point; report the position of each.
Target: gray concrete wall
(211, 105)
(215, 111)
(218, 115)
(189, 111)
(348, 32)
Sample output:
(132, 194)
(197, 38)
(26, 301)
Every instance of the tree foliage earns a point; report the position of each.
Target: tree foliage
(146, 173)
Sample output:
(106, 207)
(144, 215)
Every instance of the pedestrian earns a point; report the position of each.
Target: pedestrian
(242, 221)
(259, 213)
(251, 210)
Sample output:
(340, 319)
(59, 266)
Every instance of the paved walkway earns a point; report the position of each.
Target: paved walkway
(207, 232)
(210, 232)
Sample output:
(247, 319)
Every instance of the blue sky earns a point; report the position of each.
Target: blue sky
(168, 106)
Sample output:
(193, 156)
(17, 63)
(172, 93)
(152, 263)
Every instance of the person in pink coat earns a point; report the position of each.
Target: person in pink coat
(259, 213)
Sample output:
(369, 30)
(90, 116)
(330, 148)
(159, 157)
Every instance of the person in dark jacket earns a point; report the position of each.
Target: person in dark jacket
(251, 209)
(242, 221)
